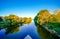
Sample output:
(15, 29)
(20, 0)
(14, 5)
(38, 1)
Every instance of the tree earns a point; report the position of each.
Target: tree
(13, 19)
(13, 22)
(43, 16)
(57, 14)
(28, 20)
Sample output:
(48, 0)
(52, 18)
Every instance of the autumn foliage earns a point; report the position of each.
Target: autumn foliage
(44, 16)
(11, 23)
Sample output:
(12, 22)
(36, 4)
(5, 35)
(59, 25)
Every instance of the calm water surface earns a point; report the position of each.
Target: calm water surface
(23, 32)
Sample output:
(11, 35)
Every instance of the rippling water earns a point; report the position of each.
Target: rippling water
(23, 32)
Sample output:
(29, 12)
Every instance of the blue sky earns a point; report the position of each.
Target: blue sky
(27, 8)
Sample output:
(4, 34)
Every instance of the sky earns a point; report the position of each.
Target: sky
(27, 8)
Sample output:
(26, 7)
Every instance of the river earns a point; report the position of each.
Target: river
(25, 30)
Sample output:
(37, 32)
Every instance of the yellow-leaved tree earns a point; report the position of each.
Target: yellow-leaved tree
(57, 15)
(43, 16)
(13, 22)
(27, 20)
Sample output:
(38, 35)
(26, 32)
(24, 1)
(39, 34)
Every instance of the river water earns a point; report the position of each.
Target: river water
(22, 33)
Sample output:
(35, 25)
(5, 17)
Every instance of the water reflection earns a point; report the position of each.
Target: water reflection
(24, 31)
